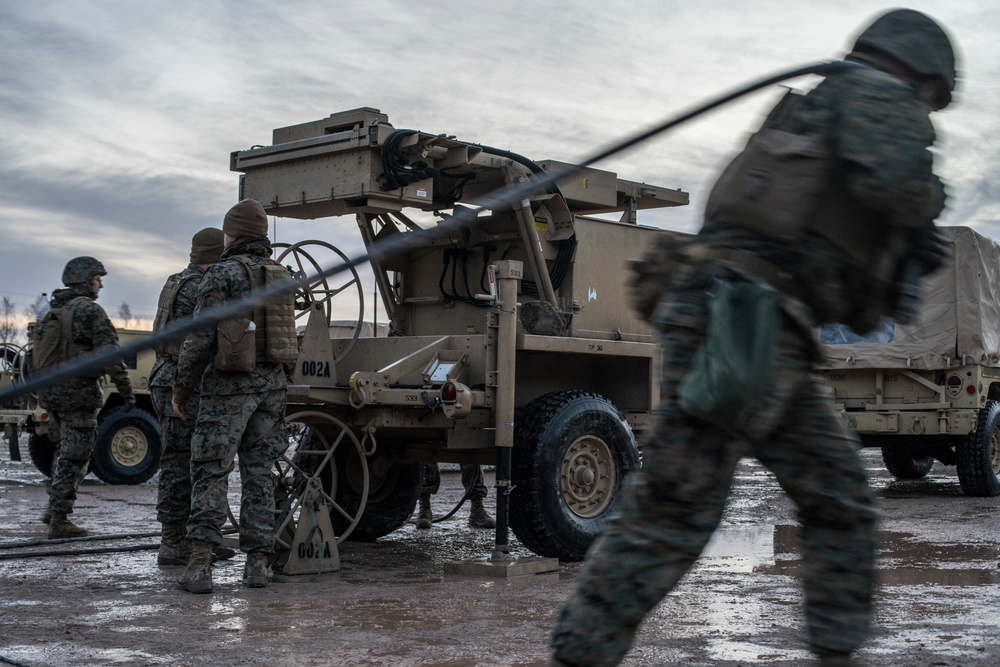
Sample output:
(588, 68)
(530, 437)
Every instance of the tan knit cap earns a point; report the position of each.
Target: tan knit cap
(246, 219)
(207, 246)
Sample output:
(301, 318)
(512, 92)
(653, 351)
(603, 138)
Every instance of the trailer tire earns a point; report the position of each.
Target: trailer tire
(978, 457)
(127, 450)
(572, 453)
(393, 489)
(42, 452)
(901, 461)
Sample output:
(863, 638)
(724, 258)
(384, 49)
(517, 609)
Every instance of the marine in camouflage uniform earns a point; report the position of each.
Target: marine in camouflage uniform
(241, 413)
(875, 122)
(173, 498)
(472, 482)
(73, 404)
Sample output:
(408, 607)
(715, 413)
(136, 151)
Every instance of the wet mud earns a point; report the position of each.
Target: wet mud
(394, 602)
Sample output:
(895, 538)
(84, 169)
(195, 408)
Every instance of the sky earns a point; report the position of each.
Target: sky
(117, 118)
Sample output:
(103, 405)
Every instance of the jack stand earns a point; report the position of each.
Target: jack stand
(502, 564)
(314, 547)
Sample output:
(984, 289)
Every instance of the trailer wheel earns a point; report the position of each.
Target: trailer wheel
(901, 461)
(42, 452)
(127, 450)
(979, 455)
(394, 488)
(572, 452)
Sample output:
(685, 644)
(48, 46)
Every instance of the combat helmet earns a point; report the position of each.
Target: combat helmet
(81, 269)
(917, 41)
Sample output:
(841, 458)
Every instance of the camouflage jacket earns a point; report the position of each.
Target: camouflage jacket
(91, 329)
(223, 282)
(165, 368)
(880, 135)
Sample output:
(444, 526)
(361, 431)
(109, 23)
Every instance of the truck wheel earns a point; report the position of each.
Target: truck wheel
(392, 494)
(128, 447)
(572, 452)
(979, 455)
(900, 460)
(42, 453)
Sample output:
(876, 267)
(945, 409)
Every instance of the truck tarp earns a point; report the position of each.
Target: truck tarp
(958, 321)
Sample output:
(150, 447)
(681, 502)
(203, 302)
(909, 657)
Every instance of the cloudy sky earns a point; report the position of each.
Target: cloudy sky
(117, 118)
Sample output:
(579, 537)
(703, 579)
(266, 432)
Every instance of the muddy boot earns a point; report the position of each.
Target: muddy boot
(174, 549)
(197, 578)
(425, 518)
(60, 526)
(255, 570)
(46, 516)
(479, 517)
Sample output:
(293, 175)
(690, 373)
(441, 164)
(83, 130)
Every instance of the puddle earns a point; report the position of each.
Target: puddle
(904, 558)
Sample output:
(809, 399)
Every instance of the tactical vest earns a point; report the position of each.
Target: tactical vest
(165, 313)
(52, 342)
(784, 186)
(275, 336)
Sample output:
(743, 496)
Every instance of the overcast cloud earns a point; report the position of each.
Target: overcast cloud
(117, 118)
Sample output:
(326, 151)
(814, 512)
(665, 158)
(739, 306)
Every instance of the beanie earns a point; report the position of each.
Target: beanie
(246, 219)
(207, 246)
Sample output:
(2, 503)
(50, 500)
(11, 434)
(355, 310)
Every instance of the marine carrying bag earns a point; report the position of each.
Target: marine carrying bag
(52, 342)
(733, 364)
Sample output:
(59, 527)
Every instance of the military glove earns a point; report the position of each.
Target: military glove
(129, 401)
(930, 249)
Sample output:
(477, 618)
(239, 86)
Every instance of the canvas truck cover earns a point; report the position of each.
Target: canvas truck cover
(958, 322)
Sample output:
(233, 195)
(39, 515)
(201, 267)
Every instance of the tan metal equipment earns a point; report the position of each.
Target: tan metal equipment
(511, 340)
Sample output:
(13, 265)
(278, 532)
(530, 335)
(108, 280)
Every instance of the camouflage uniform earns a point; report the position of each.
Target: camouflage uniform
(240, 413)
(880, 134)
(73, 404)
(173, 499)
(472, 476)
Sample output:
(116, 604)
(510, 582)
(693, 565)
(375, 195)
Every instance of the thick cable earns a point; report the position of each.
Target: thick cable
(397, 243)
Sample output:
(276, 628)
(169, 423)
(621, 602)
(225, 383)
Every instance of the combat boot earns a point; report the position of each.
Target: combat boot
(46, 516)
(255, 570)
(479, 517)
(174, 549)
(837, 660)
(425, 518)
(60, 526)
(197, 578)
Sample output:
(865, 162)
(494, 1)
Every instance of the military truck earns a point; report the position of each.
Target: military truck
(510, 335)
(127, 450)
(930, 391)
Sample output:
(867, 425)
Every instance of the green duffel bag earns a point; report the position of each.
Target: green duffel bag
(732, 366)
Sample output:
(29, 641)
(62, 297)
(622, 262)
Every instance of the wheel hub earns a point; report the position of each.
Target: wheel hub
(588, 476)
(129, 446)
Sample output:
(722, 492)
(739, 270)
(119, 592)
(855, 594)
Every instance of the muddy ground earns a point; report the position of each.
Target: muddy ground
(394, 603)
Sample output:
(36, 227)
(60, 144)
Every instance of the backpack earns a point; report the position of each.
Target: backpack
(52, 343)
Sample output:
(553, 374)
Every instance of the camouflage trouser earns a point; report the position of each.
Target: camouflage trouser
(252, 426)
(675, 502)
(74, 434)
(472, 475)
(173, 493)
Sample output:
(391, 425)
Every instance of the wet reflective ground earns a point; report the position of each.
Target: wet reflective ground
(392, 603)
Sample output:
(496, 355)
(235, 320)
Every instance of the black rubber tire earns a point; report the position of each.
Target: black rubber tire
(556, 431)
(128, 447)
(900, 460)
(978, 457)
(393, 490)
(42, 453)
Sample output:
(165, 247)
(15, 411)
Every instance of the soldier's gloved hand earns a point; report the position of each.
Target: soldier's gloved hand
(930, 249)
(129, 401)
